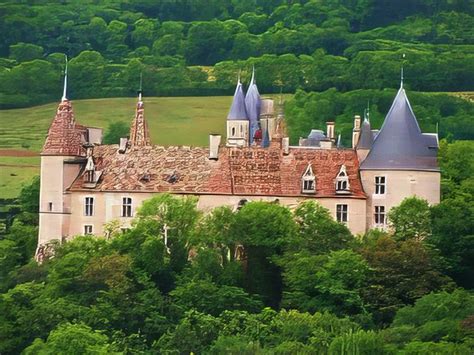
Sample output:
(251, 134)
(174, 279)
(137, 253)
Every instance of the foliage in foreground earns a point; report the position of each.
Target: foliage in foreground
(131, 293)
(259, 280)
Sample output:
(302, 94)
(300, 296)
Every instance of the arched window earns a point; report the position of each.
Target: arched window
(342, 181)
(308, 181)
(233, 132)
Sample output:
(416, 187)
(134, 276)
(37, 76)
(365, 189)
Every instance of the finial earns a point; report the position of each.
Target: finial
(367, 112)
(238, 76)
(141, 89)
(401, 73)
(64, 98)
(252, 81)
(338, 144)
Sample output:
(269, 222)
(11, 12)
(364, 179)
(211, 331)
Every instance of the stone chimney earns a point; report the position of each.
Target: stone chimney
(285, 144)
(356, 131)
(214, 142)
(330, 130)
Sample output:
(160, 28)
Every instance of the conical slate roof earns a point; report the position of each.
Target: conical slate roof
(252, 100)
(366, 137)
(252, 105)
(400, 145)
(237, 109)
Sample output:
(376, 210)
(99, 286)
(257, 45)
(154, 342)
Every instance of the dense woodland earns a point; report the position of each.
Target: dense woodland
(198, 47)
(303, 284)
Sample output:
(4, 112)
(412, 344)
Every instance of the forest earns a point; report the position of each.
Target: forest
(259, 280)
(197, 48)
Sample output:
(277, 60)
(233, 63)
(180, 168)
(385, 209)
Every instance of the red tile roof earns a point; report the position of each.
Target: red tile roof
(240, 171)
(65, 136)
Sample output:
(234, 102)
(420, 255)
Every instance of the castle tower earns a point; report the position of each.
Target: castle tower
(238, 120)
(252, 106)
(366, 138)
(61, 160)
(401, 162)
(139, 133)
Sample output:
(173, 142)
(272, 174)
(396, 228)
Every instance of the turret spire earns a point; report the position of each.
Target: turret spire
(64, 98)
(139, 134)
(252, 106)
(401, 72)
(367, 112)
(237, 109)
(140, 91)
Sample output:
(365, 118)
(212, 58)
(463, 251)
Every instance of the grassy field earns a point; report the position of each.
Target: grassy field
(172, 121)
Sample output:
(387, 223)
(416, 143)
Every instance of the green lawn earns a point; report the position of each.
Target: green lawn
(172, 121)
(13, 178)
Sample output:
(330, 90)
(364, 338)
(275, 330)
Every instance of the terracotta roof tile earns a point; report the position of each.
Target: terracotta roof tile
(65, 136)
(242, 171)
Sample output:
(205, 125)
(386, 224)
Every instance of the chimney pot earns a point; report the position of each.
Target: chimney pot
(214, 142)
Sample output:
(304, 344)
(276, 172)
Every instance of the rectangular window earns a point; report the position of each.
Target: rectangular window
(380, 215)
(380, 185)
(126, 207)
(87, 229)
(89, 206)
(341, 213)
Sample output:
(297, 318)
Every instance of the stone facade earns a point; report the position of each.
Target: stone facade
(85, 184)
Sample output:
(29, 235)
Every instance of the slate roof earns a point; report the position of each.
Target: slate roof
(366, 136)
(241, 171)
(65, 136)
(400, 145)
(252, 106)
(252, 100)
(314, 138)
(237, 109)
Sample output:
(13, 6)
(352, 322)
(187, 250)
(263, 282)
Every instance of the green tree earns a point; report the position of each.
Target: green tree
(25, 52)
(360, 342)
(317, 231)
(207, 297)
(411, 219)
(403, 271)
(194, 334)
(264, 229)
(333, 282)
(207, 43)
(115, 131)
(71, 339)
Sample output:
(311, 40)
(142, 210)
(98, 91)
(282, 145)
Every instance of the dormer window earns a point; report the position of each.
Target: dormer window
(308, 181)
(342, 181)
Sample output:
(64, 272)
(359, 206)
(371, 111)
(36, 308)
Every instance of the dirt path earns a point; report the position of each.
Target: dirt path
(19, 165)
(17, 153)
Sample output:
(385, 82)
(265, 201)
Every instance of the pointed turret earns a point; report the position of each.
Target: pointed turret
(237, 119)
(64, 136)
(366, 138)
(237, 109)
(252, 105)
(400, 145)
(139, 134)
